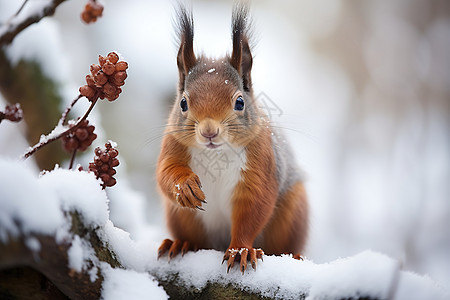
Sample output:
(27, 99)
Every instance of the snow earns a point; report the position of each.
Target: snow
(368, 273)
(78, 191)
(22, 209)
(80, 254)
(391, 197)
(412, 286)
(33, 244)
(355, 276)
(12, 138)
(48, 53)
(128, 284)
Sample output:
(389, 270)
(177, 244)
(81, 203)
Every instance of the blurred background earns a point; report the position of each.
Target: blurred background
(361, 87)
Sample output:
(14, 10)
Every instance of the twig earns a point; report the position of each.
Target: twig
(74, 153)
(67, 111)
(66, 132)
(14, 28)
(20, 9)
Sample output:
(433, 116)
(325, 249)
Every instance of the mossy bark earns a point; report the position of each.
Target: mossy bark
(38, 95)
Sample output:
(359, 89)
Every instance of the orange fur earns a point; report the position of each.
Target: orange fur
(255, 196)
(266, 209)
(287, 230)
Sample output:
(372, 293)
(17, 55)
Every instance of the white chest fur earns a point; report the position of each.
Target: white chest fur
(219, 172)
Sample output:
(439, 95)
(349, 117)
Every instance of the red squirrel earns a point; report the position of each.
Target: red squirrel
(228, 180)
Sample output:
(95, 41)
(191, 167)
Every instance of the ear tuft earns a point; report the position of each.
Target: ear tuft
(241, 58)
(185, 31)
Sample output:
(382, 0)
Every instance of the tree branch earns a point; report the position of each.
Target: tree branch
(16, 24)
(51, 138)
(52, 261)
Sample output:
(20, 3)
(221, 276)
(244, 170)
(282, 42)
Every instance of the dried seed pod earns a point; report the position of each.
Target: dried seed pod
(100, 79)
(81, 138)
(112, 97)
(113, 57)
(94, 68)
(101, 60)
(12, 113)
(104, 157)
(98, 151)
(98, 162)
(71, 144)
(104, 162)
(106, 78)
(81, 134)
(121, 66)
(88, 92)
(109, 89)
(108, 68)
(113, 153)
(90, 80)
(92, 10)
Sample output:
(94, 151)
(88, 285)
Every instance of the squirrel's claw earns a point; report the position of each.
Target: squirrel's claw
(188, 192)
(173, 248)
(245, 255)
(298, 256)
(165, 246)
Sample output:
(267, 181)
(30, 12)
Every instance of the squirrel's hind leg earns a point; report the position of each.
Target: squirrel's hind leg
(287, 230)
(174, 248)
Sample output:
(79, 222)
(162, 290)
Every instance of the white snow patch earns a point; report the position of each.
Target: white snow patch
(80, 254)
(54, 133)
(355, 276)
(368, 274)
(28, 45)
(128, 211)
(25, 205)
(415, 287)
(79, 191)
(75, 253)
(113, 144)
(137, 255)
(33, 244)
(211, 70)
(128, 284)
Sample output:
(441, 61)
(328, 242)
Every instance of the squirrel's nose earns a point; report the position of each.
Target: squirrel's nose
(210, 134)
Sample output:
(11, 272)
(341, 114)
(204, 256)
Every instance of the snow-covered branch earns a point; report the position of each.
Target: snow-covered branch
(48, 257)
(20, 21)
(60, 130)
(60, 226)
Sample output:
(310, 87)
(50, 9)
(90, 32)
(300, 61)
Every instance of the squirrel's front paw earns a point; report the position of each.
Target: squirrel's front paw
(188, 192)
(250, 254)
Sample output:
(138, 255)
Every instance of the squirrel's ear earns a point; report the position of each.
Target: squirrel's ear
(186, 58)
(241, 58)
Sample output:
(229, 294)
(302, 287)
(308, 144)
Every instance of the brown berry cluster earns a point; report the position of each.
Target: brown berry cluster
(106, 78)
(81, 138)
(92, 11)
(12, 113)
(104, 163)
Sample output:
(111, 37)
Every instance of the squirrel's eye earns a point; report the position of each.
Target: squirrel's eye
(183, 105)
(239, 104)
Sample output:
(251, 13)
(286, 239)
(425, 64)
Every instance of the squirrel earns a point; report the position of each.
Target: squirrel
(227, 177)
